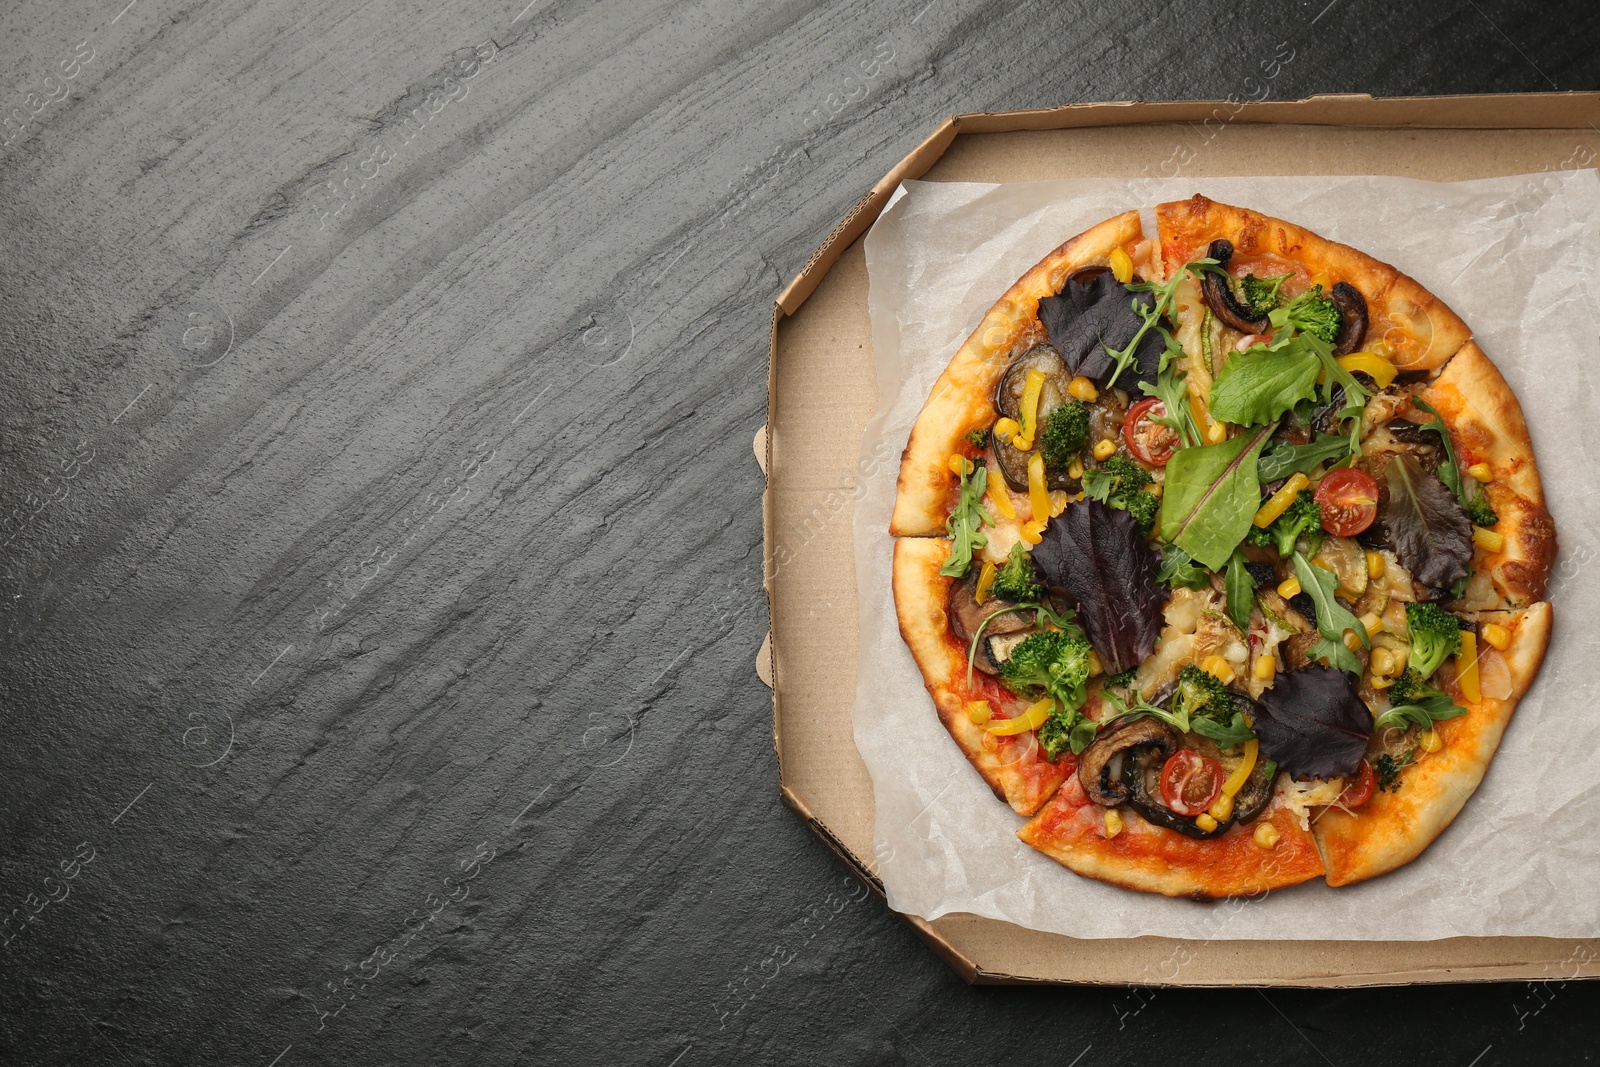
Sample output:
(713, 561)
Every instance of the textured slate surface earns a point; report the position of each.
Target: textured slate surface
(380, 541)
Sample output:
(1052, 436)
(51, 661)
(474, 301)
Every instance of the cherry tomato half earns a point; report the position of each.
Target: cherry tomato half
(1349, 499)
(1148, 440)
(1190, 783)
(1360, 789)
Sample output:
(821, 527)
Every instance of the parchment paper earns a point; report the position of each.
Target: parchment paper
(1516, 258)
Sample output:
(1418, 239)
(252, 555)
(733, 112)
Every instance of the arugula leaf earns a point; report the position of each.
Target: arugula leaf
(1332, 617)
(1240, 589)
(1423, 713)
(1449, 470)
(1173, 392)
(1282, 459)
(1152, 314)
(1235, 732)
(1177, 568)
(1261, 383)
(964, 522)
(1210, 495)
(1355, 394)
(1135, 704)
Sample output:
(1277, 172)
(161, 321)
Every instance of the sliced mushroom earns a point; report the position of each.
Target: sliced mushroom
(998, 648)
(1103, 769)
(966, 615)
(1352, 318)
(1219, 296)
(1013, 463)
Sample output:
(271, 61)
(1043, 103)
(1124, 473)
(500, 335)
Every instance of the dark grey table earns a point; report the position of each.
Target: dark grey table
(381, 540)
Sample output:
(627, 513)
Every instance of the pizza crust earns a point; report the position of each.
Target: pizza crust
(1486, 425)
(1393, 828)
(1071, 830)
(962, 399)
(1421, 331)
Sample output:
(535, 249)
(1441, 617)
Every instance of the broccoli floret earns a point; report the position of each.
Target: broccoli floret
(1055, 737)
(1261, 294)
(1144, 508)
(978, 438)
(1410, 688)
(1434, 634)
(1202, 694)
(1050, 663)
(1120, 483)
(1260, 537)
(1480, 511)
(1388, 769)
(1017, 581)
(1311, 313)
(1066, 431)
(1303, 518)
(1122, 679)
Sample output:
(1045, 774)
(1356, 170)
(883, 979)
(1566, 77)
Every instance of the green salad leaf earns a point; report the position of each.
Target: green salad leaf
(1333, 619)
(1210, 495)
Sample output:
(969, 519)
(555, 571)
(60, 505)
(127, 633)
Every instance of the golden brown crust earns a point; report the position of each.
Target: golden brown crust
(1421, 331)
(1071, 830)
(1393, 828)
(962, 398)
(1014, 767)
(1486, 424)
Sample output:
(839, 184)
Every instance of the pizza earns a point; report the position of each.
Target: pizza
(1221, 551)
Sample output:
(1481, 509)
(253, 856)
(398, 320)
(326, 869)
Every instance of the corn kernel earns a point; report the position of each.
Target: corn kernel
(960, 465)
(1324, 279)
(1154, 489)
(1006, 429)
(1266, 835)
(1113, 821)
(1218, 667)
(1481, 472)
(1075, 469)
(1289, 587)
(1216, 433)
(1487, 540)
(1379, 683)
(1352, 640)
(1205, 822)
(1430, 741)
(1105, 449)
(1375, 564)
(979, 712)
(1382, 662)
(1081, 388)
(1495, 634)
(1373, 622)
(1121, 266)
(1266, 668)
(1222, 808)
(1094, 664)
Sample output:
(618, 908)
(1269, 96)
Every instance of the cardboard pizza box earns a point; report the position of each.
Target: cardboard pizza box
(821, 392)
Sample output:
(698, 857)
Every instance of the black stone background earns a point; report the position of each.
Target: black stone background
(381, 587)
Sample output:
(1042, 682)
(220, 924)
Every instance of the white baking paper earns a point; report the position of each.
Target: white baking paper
(1516, 258)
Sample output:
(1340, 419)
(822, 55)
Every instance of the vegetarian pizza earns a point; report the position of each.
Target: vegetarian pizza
(1221, 552)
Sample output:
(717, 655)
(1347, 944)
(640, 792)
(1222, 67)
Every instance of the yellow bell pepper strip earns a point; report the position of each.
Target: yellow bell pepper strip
(985, 581)
(1023, 442)
(1467, 668)
(1033, 532)
(1121, 266)
(1374, 366)
(1279, 502)
(979, 712)
(999, 496)
(1496, 635)
(1223, 806)
(1038, 491)
(1487, 539)
(1031, 719)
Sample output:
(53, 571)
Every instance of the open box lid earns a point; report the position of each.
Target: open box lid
(822, 391)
